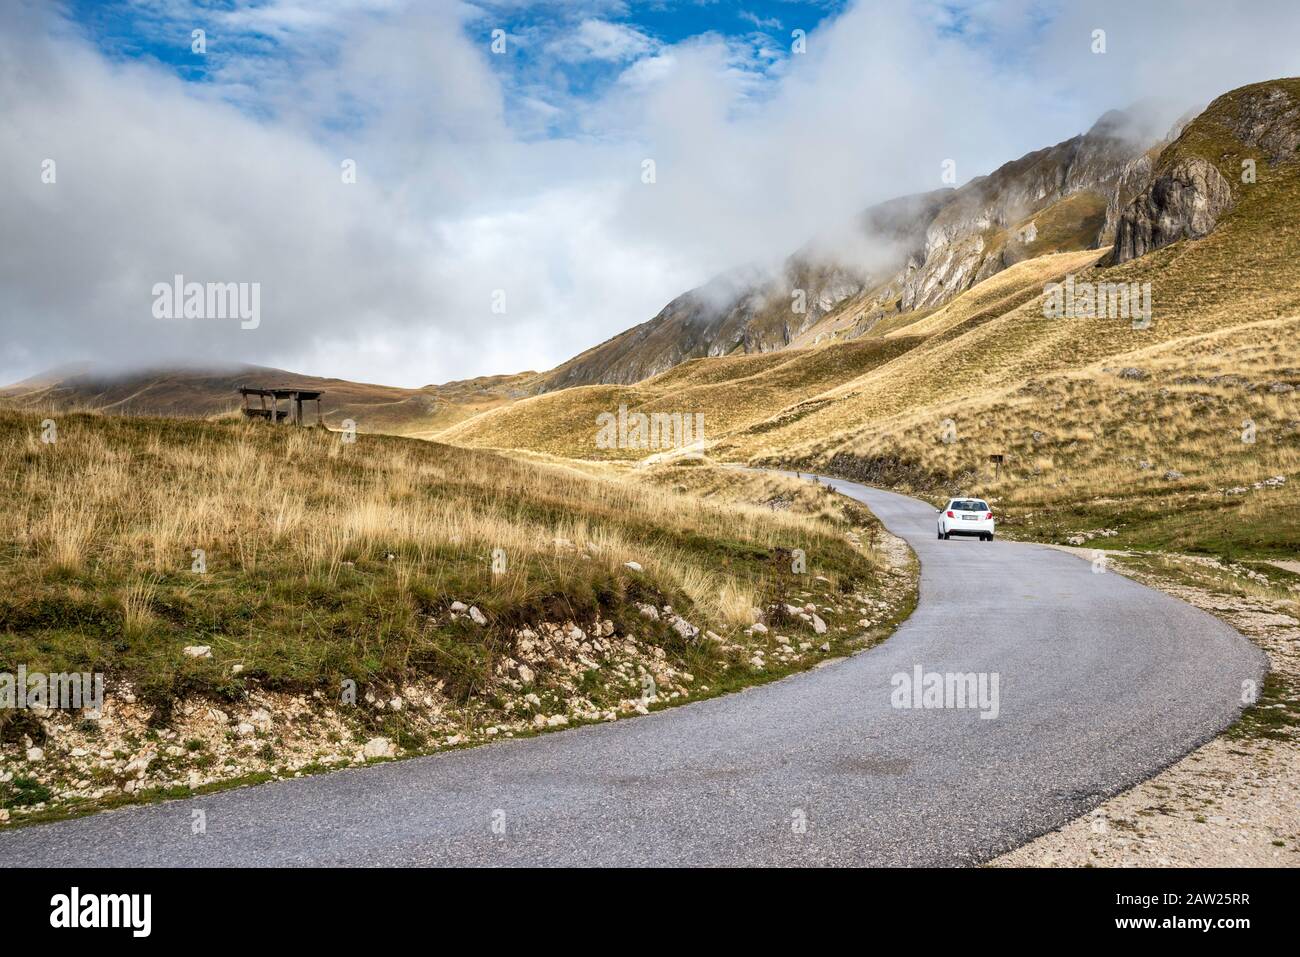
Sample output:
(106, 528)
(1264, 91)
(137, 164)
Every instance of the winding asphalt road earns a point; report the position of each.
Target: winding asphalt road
(1102, 682)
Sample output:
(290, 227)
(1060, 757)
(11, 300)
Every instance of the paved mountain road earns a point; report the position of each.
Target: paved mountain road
(1102, 682)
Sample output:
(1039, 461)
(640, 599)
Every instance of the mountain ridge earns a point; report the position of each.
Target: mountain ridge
(932, 247)
(212, 393)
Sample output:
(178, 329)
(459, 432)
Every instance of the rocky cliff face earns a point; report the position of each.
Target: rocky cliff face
(924, 250)
(1199, 176)
(1184, 201)
(1136, 176)
(753, 311)
(978, 233)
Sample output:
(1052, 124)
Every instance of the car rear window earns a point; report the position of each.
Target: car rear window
(969, 505)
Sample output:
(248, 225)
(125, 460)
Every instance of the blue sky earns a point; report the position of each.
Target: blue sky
(560, 52)
(522, 173)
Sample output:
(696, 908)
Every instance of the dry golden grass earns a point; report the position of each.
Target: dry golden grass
(1045, 393)
(212, 394)
(137, 607)
(740, 392)
(1091, 448)
(319, 550)
(1246, 271)
(731, 394)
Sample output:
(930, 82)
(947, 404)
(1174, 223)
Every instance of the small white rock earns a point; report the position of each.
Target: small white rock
(198, 651)
(635, 566)
(684, 627)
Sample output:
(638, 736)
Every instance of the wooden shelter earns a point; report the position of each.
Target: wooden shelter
(294, 399)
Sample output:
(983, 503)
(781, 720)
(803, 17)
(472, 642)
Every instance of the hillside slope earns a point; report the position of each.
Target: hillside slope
(742, 392)
(229, 580)
(1184, 430)
(895, 261)
(909, 254)
(209, 393)
(1183, 434)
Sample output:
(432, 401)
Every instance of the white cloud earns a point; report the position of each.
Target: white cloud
(601, 40)
(648, 71)
(391, 279)
(763, 23)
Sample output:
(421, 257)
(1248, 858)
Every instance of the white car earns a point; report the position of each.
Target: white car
(966, 516)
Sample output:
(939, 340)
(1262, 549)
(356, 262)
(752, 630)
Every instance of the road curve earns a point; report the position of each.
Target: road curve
(1102, 682)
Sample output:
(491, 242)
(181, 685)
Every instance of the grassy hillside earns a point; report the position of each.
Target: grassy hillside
(212, 393)
(1234, 128)
(755, 392)
(731, 393)
(326, 562)
(1110, 433)
(1104, 427)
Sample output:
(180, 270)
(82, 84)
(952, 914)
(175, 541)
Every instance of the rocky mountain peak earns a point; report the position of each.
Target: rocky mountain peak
(1199, 176)
(912, 253)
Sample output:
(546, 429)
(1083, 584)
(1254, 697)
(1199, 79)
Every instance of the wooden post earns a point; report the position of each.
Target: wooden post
(320, 419)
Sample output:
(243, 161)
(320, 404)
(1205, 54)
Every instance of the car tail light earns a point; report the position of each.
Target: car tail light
(988, 516)
(951, 515)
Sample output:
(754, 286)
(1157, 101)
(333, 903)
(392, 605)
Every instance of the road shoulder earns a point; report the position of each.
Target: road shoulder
(1234, 802)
